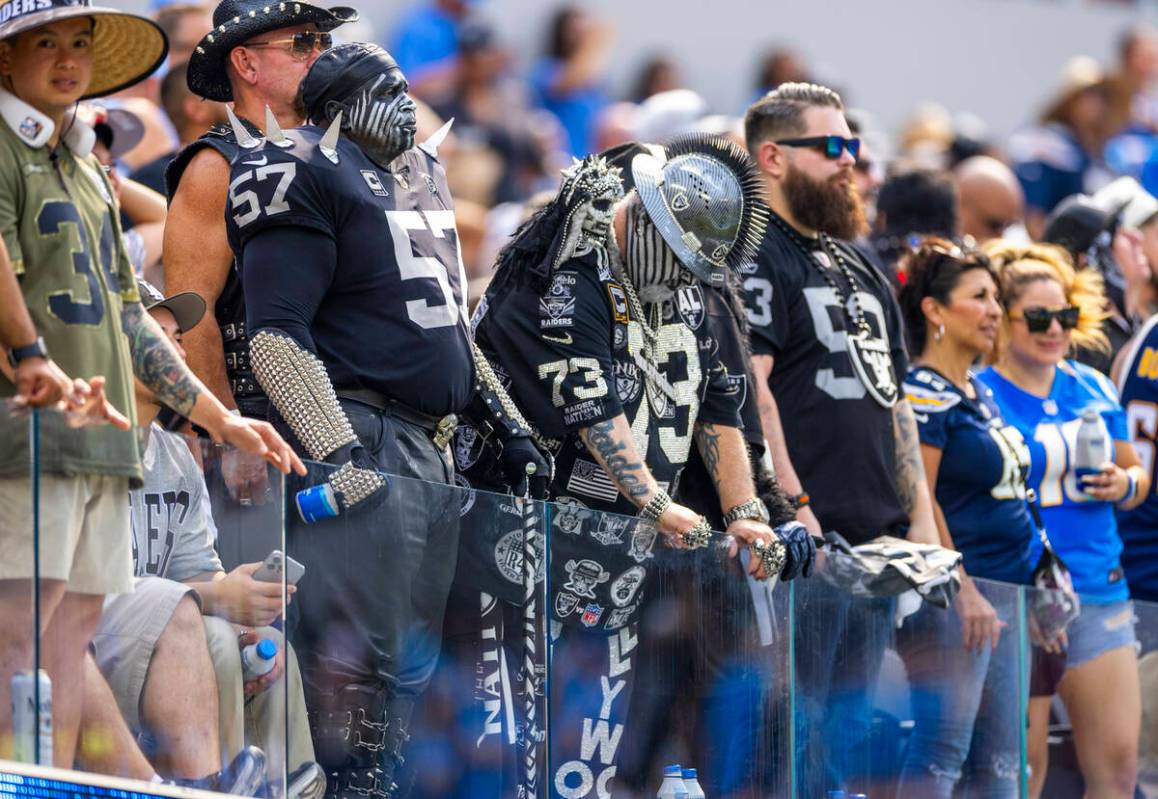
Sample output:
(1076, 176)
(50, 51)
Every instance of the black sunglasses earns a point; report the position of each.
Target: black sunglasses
(831, 146)
(1038, 320)
(301, 43)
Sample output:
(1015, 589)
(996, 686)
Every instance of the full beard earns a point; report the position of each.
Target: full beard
(827, 206)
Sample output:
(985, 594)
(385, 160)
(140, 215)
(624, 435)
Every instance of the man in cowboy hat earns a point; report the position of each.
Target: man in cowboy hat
(255, 57)
(61, 227)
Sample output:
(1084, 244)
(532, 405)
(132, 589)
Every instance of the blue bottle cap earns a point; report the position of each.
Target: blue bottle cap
(690, 774)
(316, 503)
(266, 649)
(673, 770)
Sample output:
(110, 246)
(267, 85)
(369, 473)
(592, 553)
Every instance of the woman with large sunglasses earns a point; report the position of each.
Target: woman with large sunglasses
(964, 697)
(1050, 308)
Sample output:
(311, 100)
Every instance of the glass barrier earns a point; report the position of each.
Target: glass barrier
(150, 651)
(25, 734)
(655, 656)
(892, 698)
(1146, 614)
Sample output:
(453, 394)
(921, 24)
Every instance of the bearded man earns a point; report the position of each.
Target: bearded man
(828, 352)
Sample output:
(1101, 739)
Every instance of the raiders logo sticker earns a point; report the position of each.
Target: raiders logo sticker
(618, 303)
(873, 365)
(557, 306)
(509, 557)
(628, 382)
(585, 575)
(738, 386)
(625, 585)
(468, 495)
(690, 301)
(569, 515)
(611, 529)
(565, 604)
(468, 446)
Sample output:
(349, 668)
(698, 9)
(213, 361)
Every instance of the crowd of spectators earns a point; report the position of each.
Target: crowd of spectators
(1015, 282)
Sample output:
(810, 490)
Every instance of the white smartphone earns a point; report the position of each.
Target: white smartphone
(270, 570)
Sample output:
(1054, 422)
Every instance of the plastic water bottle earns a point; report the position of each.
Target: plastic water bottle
(258, 659)
(32, 723)
(673, 783)
(692, 783)
(1092, 445)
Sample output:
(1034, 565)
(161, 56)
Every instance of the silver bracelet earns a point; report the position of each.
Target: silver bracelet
(655, 506)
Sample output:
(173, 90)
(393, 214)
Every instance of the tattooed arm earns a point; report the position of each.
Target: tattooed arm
(613, 446)
(726, 459)
(912, 487)
(162, 371)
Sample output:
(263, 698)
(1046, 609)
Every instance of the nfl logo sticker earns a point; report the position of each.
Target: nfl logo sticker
(591, 614)
(30, 128)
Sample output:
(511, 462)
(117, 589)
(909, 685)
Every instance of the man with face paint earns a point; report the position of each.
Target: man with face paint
(355, 298)
(597, 317)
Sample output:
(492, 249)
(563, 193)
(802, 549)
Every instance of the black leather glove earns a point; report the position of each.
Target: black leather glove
(518, 455)
(800, 550)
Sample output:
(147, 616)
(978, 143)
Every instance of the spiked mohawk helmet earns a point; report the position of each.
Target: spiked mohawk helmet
(705, 201)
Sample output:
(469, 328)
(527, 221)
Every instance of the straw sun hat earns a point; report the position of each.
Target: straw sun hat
(126, 47)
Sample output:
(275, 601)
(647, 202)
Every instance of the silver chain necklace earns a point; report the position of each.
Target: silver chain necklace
(849, 304)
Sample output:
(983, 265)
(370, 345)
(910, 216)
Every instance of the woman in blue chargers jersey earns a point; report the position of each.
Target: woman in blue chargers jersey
(1049, 309)
(964, 698)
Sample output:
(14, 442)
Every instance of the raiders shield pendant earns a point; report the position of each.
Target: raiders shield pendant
(874, 367)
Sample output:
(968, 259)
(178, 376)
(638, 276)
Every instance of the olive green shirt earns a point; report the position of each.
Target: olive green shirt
(61, 225)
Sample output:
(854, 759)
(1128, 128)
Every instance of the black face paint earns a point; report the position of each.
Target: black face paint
(381, 118)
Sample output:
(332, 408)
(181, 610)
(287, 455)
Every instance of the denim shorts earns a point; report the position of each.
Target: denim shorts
(1097, 630)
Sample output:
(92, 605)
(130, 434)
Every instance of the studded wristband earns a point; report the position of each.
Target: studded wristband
(655, 506)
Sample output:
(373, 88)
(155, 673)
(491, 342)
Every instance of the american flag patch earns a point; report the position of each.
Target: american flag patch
(589, 479)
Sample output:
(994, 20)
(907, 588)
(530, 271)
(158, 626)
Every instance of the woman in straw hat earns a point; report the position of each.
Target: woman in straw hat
(60, 225)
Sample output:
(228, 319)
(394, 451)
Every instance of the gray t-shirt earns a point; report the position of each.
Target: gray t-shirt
(173, 530)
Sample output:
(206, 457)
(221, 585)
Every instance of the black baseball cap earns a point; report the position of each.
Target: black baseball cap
(187, 307)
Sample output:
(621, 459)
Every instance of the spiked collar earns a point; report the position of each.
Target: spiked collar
(35, 128)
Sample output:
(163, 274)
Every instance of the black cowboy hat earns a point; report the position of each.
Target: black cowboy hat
(127, 48)
(236, 22)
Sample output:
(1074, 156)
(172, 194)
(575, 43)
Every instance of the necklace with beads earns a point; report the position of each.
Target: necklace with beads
(869, 354)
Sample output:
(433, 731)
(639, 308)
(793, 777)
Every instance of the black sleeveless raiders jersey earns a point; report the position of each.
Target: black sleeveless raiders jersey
(229, 310)
(387, 311)
(573, 358)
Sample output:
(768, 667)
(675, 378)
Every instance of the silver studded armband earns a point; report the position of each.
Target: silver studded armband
(297, 384)
(353, 484)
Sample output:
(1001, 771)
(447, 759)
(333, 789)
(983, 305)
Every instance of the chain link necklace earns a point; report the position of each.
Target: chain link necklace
(851, 307)
(869, 355)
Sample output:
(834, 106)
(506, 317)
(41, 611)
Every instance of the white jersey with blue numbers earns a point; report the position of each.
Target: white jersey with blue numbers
(1138, 384)
(1082, 530)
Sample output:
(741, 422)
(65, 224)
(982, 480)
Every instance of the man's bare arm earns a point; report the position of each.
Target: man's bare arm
(16, 327)
(912, 487)
(198, 258)
(726, 460)
(774, 435)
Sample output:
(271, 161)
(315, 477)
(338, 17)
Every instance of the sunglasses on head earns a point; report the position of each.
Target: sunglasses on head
(301, 44)
(1038, 320)
(831, 146)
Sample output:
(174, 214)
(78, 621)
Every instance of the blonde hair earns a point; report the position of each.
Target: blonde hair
(1019, 265)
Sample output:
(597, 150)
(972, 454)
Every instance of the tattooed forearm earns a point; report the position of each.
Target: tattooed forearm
(910, 470)
(156, 363)
(620, 460)
(708, 439)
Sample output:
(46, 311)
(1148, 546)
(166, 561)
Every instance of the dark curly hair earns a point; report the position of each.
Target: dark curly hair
(932, 269)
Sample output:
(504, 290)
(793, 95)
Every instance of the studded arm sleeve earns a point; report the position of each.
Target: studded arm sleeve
(297, 384)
